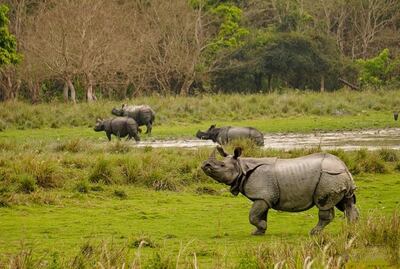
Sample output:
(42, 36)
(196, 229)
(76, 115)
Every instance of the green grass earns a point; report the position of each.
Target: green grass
(209, 224)
(108, 201)
(285, 111)
(69, 199)
(266, 125)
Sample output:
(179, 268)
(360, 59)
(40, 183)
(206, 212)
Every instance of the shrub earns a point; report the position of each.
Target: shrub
(27, 184)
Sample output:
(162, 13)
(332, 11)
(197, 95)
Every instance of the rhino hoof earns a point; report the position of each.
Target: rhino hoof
(258, 232)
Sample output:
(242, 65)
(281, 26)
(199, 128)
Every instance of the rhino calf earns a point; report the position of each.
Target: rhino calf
(292, 185)
(119, 126)
(224, 135)
(142, 114)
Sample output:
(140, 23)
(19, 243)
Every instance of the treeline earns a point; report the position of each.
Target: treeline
(84, 50)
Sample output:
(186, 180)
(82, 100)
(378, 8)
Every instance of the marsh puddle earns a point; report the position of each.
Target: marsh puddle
(347, 140)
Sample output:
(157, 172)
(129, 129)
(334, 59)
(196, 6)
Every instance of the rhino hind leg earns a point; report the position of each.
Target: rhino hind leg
(348, 206)
(324, 218)
(258, 216)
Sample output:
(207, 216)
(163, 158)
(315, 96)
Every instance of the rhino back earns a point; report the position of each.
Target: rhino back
(232, 133)
(141, 114)
(297, 180)
(118, 126)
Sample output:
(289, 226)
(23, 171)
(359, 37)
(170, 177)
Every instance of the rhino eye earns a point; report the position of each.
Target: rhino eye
(223, 165)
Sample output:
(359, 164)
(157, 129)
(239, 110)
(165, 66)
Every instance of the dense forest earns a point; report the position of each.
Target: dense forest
(76, 50)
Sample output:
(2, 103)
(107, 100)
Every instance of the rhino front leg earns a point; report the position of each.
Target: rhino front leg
(148, 128)
(258, 216)
(325, 217)
(108, 136)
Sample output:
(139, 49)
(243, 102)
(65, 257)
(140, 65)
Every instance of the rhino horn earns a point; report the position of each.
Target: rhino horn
(222, 151)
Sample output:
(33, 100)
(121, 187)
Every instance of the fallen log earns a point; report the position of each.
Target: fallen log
(352, 86)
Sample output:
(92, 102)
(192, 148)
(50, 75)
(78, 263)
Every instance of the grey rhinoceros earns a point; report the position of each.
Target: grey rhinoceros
(142, 114)
(224, 135)
(292, 185)
(119, 126)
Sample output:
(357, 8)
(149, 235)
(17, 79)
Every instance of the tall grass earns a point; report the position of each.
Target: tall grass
(25, 169)
(222, 107)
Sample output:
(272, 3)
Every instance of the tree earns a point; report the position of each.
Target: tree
(78, 40)
(377, 71)
(8, 53)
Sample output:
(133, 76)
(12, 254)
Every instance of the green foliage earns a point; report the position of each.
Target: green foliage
(8, 44)
(230, 34)
(378, 70)
(294, 59)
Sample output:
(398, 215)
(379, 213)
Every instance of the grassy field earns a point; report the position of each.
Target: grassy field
(68, 199)
(183, 116)
(68, 203)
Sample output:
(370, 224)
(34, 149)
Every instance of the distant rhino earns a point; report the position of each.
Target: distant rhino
(142, 114)
(224, 135)
(119, 126)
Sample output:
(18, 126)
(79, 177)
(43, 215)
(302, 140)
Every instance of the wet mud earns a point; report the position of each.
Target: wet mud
(347, 140)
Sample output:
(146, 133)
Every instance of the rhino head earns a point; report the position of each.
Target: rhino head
(226, 170)
(117, 111)
(100, 126)
(211, 133)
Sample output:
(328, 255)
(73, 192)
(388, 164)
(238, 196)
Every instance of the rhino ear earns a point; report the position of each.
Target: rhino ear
(98, 120)
(222, 151)
(211, 127)
(237, 152)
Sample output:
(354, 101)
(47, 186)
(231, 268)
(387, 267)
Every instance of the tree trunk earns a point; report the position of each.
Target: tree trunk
(89, 89)
(65, 92)
(72, 89)
(186, 87)
(322, 83)
(258, 81)
(269, 83)
(35, 90)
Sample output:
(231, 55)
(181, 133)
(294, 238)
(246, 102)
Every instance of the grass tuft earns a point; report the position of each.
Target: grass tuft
(27, 184)
(82, 186)
(102, 172)
(388, 155)
(121, 194)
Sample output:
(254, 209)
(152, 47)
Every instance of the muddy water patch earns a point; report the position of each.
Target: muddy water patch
(348, 140)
